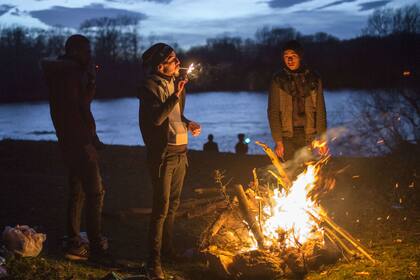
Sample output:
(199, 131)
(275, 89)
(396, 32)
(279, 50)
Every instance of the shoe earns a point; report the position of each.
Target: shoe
(155, 272)
(77, 252)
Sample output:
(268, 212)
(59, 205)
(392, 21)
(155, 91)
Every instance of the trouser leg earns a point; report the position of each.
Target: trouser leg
(161, 180)
(294, 144)
(174, 200)
(94, 191)
(75, 205)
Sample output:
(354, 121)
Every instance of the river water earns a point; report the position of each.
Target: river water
(223, 114)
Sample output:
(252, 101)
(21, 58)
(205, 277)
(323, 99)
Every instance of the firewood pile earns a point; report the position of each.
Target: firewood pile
(237, 245)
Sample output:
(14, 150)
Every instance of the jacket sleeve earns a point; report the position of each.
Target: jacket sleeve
(158, 109)
(321, 114)
(273, 111)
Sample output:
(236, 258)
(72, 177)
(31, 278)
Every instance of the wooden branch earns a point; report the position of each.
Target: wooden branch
(346, 235)
(331, 235)
(284, 180)
(248, 215)
(215, 227)
(205, 209)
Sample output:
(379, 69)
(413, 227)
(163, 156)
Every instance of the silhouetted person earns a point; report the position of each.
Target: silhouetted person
(165, 132)
(241, 147)
(296, 106)
(210, 146)
(71, 82)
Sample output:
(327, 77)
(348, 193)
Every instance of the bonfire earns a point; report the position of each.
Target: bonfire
(277, 230)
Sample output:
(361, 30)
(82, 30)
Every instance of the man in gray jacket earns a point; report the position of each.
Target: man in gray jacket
(165, 133)
(296, 106)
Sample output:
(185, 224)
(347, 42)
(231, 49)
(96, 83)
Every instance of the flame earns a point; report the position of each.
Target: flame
(190, 68)
(289, 212)
(291, 219)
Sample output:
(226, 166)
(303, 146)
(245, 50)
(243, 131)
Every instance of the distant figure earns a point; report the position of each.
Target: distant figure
(210, 146)
(71, 82)
(296, 105)
(241, 147)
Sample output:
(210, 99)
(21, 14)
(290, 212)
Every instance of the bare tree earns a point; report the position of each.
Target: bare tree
(387, 21)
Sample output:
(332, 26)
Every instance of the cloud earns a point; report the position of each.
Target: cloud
(73, 17)
(284, 3)
(373, 5)
(5, 8)
(336, 3)
(136, 1)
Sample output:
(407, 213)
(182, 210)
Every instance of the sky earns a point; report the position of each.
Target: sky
(191, 22)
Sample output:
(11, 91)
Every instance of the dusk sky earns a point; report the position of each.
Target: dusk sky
(190, 22)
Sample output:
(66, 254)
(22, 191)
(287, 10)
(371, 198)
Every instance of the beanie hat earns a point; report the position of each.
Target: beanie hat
(75, 42)
(156, 54)
(294, 46)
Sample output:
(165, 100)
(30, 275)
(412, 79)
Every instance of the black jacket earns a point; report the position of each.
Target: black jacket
(70, 94)
(155, 107)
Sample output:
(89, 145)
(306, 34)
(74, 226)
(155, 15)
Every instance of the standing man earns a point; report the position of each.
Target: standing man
(165, 133)
(210, 146)
(71, 83)
(296, 106)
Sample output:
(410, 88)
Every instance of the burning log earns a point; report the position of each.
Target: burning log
(283, 179)
(248, 215)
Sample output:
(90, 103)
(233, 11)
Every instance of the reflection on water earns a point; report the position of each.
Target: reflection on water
(223, 114)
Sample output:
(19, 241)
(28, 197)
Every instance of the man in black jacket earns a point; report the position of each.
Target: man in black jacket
(165, 133)
(71, 83)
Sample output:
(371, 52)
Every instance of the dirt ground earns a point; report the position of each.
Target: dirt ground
(375, 199)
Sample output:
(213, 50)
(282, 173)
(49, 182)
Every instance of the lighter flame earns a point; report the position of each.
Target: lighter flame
(190, 68)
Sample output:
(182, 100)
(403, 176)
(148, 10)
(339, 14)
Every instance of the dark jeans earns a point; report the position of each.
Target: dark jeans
(295, 143)
(85, 184)
(167, 181)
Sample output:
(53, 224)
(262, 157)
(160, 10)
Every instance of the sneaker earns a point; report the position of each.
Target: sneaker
(77, 252)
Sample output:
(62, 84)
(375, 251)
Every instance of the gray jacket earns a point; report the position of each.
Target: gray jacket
(280, 104)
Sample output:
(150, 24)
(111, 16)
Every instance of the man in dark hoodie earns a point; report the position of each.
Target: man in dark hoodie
(165, 133)
(71, 82)
(296, 106)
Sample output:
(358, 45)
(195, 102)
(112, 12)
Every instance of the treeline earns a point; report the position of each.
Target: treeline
(385, 56)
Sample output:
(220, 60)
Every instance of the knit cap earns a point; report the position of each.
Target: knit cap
(294, 46)
(156, 54)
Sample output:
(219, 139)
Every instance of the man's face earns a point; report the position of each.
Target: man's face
(170, 67)
(83, 54)
(291, 59)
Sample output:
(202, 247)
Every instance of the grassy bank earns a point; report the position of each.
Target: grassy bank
(376, 199)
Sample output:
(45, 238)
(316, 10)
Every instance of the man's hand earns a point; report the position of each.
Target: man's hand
(90, 152)
(195, 128)
(323, 150)
(279, 149)
(180, 86)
